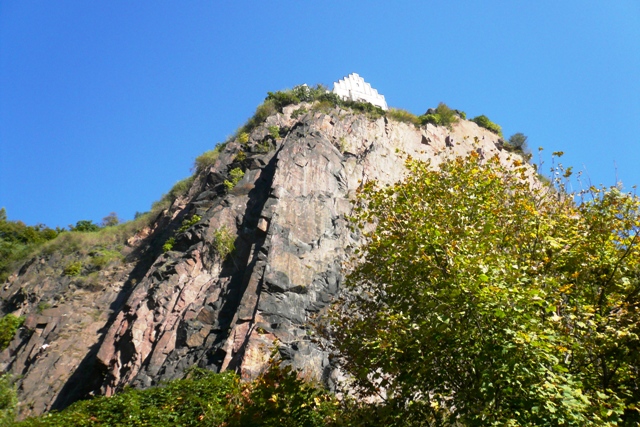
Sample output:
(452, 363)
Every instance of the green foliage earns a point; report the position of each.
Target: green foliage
(208, 158)
(202, 399)
(168, 245)
(8, 400)
(403, 116)
(188, 223)
(223, 242)
(281, 99)
(276, 398)
(441, 116)
(482, 301)
(274, 131)
(299, 112)
(9, 325)
(84, 226)
(110, 220)
(518, 144)
(373, 112)
(180, 188)
(518, 141)
(73, 269)
(323, 99)
(298, 94)
(240, 157)
(103, 257)
(276, 101)
(18, 241)
(42, 306)
(243, 138)
(236, 175)
(264, 110)
(483, 121)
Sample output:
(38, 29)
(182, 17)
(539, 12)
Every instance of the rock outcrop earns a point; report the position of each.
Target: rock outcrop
(159, 313)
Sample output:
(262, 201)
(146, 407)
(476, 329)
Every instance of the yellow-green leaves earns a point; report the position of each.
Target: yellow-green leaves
(483, 299)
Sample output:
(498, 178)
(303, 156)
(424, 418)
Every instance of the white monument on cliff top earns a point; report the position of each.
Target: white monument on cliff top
(354, 87)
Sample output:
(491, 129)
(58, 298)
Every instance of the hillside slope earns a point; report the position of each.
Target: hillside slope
(152, 316)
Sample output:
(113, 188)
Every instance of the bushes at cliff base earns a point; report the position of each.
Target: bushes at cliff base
(204, 398)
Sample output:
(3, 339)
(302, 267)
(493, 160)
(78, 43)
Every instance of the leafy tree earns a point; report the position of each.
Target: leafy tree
(518, 141)
(518, 144)
(110, 220)
(482, 300)
(18, 241)
(84, 225)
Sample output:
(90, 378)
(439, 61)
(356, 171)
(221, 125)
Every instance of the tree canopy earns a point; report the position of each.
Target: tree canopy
(483, 299)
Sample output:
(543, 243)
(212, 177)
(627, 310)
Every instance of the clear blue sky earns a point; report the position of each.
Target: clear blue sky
(105, 104)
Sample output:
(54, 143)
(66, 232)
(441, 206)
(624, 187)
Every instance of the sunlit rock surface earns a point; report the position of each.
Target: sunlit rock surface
(158, 314)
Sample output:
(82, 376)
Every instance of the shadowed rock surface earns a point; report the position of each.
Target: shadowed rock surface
(153, 316)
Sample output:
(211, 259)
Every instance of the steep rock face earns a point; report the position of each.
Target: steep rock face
(189, 306)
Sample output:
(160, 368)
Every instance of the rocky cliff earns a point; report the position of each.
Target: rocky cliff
(151, 317)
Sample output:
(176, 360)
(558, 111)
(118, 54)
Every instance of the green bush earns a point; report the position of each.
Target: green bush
(264, 110)
(403, 116)
(73, 269)
(202, 399)
(277, 398)
(442, 116)
(9, 325)
(298, 112)
(483, 121)
(102, 258)
(8, 400)
(110, 220)
(180, 188)
(168, 245)
(325, 101)
(240, 157)
(302, 93)
(84, 226)
(18, 241)
(236, 175)
(223, 242)
(243, 138)
(274, 131)
(208, 158)
(42, 306)
(188, 223)
(373, 112)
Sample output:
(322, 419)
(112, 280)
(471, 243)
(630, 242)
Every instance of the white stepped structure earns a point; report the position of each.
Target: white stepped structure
(354, 87)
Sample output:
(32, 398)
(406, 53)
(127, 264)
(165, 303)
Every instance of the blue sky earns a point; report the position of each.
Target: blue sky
(104, 105)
